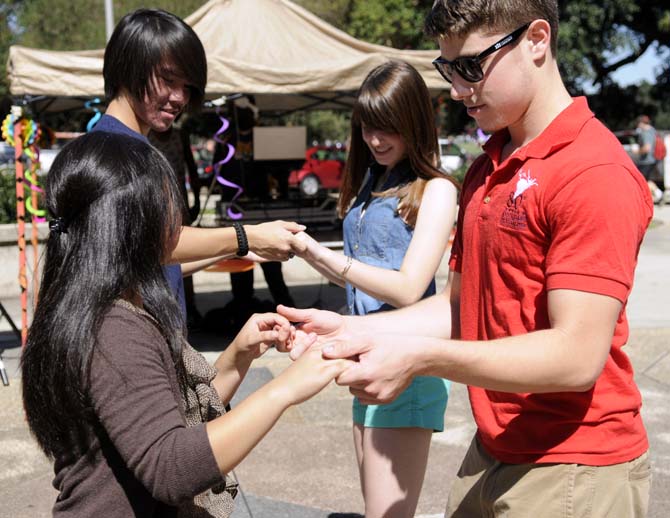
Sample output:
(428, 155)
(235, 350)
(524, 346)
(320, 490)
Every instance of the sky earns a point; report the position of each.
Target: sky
(642, 69)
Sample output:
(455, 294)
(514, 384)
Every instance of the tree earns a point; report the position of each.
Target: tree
(596, 36)
(7, 38)
(599, 36)
(59, 25)
(60, 30)
(394, 23)
(335, 12)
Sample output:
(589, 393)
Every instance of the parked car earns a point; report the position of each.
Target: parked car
(324, 165)
(321, 171)
(452, 157)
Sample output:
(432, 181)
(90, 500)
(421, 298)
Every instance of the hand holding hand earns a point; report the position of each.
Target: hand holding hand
(275, 240)
(263, 331)
(325, 324)
(307, 376)
(311, 245)
(384, 366)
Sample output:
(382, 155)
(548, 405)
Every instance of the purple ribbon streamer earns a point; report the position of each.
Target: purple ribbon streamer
(217, 167)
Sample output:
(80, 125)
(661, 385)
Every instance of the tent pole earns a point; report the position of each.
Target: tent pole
(109, 18)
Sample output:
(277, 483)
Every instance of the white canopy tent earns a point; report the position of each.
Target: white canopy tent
(283, 54)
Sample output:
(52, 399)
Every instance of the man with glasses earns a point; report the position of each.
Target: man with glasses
(551, 219)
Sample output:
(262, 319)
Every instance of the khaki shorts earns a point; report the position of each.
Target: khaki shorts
(487, 488)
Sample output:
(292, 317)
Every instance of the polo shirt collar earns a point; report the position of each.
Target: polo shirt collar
(560, 132)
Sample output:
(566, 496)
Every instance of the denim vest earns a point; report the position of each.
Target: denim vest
(377, 236)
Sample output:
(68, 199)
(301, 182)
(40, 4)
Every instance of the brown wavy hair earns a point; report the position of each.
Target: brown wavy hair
(394, 98)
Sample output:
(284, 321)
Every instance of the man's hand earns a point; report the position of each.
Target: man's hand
(385, 365)
(326, 324)
(275, 240)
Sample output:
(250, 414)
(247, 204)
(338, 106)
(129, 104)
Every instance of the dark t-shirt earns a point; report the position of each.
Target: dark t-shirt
(172, 271)
(143, 460)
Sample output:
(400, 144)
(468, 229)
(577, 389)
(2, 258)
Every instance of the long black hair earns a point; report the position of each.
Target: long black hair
(115, 209)
(144, 42)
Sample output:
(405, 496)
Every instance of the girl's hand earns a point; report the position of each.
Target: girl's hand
(261, 332)
(311, 245)
(300, 342)
(307, 376)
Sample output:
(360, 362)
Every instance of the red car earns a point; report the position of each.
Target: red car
(321, 171)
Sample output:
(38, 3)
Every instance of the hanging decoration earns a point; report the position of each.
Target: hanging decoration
(225, 124)
(93, 105)
(23, 134)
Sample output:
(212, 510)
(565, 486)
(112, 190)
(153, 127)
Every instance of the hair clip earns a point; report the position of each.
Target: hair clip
(58, 225)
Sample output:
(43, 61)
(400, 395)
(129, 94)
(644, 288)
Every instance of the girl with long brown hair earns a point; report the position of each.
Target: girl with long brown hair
(399, 210)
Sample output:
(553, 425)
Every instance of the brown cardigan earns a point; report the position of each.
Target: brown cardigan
(144, 461)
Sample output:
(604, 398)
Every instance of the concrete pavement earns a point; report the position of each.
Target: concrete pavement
(305, 467)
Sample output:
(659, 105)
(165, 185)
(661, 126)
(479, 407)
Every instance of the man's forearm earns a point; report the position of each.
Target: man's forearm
(538, 362)
(196, 244)
(432, 316)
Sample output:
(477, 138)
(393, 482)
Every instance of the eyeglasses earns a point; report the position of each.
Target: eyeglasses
(470, 68)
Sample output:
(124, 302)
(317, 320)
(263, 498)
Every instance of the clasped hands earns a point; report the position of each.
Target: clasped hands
(379, 368)
(274, 241)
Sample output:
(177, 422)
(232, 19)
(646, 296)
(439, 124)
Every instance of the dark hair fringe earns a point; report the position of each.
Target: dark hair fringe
(143, 42)
(113, 190)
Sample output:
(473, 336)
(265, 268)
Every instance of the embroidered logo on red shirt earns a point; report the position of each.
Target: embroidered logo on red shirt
(524, 183)
(514, 215)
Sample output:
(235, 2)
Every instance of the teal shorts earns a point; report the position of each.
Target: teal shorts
(421, 405)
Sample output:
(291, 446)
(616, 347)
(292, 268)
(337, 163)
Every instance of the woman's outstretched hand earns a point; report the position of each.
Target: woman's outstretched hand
(263, 331)
(312, 325)
(307, 376)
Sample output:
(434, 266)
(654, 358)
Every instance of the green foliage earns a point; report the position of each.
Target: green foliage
(335, 12)
(328, 125)
(321, 125)
(60, 25)
(7, 195)
(7, 38)
(51, 24)
(60, 30)
(394, 23)
(598, 37)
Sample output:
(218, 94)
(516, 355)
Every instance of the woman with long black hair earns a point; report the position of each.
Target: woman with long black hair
(110, 386)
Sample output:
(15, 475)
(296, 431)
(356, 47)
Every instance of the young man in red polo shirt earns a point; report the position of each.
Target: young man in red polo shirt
(551, 219)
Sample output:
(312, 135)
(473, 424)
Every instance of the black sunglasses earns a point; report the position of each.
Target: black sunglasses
(470, 68)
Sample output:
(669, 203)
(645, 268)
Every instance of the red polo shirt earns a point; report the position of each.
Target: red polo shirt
(568, 211)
